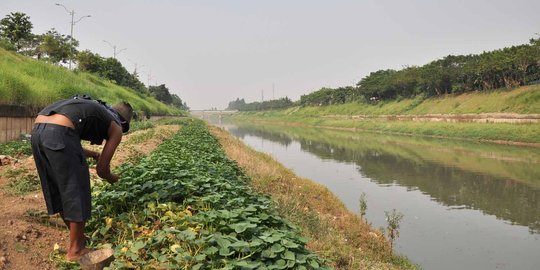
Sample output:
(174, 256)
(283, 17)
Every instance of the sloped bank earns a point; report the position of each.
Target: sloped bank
(500, 133)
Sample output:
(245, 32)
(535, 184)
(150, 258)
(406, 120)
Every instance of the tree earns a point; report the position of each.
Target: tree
(17, 28)
(56, 48)
(6, 45)
(161, 93)
(89, 62)
(111, 69)
(177, 102)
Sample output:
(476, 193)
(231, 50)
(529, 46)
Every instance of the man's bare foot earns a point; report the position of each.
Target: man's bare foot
(77, 255)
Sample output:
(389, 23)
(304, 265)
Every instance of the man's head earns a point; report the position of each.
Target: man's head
(125, 111)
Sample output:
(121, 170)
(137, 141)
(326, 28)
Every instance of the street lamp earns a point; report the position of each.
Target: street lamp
(73, 22)
(115, 53)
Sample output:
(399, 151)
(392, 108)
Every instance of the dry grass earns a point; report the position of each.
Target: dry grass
(138, 144)
(334, 232)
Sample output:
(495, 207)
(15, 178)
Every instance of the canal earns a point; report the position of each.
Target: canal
(466, 205)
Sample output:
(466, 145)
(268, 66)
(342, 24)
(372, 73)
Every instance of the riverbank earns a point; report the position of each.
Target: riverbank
(335, 233)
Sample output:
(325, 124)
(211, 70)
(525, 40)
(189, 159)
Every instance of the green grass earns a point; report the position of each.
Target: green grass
(28, 82)
(528, 133)
(523, 100)
(140, 125)
(21, 181)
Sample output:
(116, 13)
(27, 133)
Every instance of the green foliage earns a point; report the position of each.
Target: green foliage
(393, 218)
(16, 148)
(161, 93)
(6, 45)
(504, 68)
(140, 125)
(241, 105)
(187, 206)
(17, 28)
(329, 96)
(109, 68)
(363, 204)
(55, 47)
(21, 181)
(178, 103)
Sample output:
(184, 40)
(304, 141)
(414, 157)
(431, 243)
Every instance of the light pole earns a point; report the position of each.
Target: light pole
(136, 66)
(149, 77)
(73, 22)
(115, 53)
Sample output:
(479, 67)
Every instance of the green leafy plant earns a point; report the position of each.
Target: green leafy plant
(363, 204)
(16, 148)
(393, 218)
(188, 206)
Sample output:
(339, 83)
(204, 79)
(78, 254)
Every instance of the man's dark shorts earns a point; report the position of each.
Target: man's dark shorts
(63, 171)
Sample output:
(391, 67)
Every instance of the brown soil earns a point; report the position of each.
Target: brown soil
(26, 240)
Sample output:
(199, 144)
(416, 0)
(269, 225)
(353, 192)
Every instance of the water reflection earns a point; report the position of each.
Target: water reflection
(497, 180)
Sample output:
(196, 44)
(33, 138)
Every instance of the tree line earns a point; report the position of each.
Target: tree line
(56, 48)
(241, 105)
(503, 68)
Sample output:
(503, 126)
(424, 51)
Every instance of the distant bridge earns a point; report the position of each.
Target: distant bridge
(211, 113)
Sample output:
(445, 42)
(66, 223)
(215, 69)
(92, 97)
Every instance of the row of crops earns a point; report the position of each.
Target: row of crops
(187, 206)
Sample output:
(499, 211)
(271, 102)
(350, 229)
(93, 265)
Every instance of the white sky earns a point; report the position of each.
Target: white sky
(211, 52)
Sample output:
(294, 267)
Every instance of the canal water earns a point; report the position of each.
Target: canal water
(466, 205)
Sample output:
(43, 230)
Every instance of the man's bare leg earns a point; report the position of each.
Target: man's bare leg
(76, 241)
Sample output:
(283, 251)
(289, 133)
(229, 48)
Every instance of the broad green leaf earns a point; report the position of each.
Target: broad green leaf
(288, 255)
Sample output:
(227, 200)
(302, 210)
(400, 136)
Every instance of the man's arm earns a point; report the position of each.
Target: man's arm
(103, 166)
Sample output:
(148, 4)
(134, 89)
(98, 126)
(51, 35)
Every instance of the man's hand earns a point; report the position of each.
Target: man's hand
(114, 178)
(103, 165)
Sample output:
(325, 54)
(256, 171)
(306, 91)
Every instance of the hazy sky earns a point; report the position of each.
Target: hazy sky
(211, 52)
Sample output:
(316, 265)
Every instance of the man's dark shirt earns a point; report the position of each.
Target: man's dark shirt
(90, 118)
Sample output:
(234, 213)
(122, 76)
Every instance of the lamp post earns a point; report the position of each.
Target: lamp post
(115, 53)
(73, 22)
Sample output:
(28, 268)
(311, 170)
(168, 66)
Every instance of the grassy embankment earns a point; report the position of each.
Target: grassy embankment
(28, 82)
(524, 100)
(335, 233)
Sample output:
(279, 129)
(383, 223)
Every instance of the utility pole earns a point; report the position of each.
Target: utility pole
(149, 77)
(262, 96)
(73, 22)
(136, 66)
(273, 89)
(115, 53)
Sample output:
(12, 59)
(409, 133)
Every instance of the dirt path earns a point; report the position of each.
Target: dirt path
(28, 236)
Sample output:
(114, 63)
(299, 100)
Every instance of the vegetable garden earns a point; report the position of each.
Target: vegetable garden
(187, 206)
